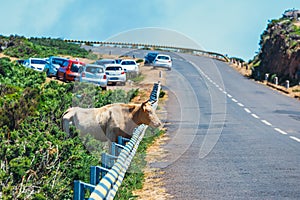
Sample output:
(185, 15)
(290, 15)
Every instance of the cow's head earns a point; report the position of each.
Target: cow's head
(148, 115)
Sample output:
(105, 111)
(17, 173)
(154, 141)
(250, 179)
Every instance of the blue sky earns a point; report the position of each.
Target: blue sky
(230, 27)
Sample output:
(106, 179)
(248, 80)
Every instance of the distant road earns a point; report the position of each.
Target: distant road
(246, 144)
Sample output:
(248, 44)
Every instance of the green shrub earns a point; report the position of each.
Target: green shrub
(38, 159)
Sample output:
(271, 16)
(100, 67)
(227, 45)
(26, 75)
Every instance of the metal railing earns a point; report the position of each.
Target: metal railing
(211, 54)
(106, 179)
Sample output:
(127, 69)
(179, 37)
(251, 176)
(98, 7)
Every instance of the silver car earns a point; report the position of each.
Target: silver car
(115, 74)
(93, 73)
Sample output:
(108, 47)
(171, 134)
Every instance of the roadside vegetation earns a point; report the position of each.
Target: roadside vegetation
(38, 160)
(22, 48)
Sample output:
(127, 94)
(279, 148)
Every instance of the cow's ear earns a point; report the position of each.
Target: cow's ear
(144, 105)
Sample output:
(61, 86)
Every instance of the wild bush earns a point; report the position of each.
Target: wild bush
(38, 160)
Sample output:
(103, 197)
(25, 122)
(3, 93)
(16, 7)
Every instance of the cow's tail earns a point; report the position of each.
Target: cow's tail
(67, 117)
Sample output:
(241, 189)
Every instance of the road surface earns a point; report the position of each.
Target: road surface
(230, 137)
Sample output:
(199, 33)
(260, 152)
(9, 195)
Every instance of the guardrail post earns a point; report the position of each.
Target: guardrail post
(122, 141)
(94, 175)
(78, 191)
(116, 149)
(287, 84)
(107, 160)
(266, 77)
(276, 80)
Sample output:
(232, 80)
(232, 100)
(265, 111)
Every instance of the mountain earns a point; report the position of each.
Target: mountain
(279, 53)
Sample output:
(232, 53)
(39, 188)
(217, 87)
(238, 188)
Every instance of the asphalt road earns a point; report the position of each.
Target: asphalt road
(230, 138)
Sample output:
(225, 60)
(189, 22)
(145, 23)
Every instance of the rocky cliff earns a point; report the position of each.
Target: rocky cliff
(279, 53)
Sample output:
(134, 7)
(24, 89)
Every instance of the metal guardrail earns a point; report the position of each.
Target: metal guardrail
(214, 55)
(106, 179)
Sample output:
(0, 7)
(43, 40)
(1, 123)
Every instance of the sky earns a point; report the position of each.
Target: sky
(231, 27)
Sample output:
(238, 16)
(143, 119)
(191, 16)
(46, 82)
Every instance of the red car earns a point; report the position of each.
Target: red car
(69, 70)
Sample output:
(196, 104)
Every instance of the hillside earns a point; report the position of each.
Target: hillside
(279, 53)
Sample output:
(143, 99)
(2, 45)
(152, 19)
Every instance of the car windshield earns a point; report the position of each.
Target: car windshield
(94, 70)
(41, 62)
(75, 67)
(58, 61)
(128, 63)
(114, 68)
(163, 57)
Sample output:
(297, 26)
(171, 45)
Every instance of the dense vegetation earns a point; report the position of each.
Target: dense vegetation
(21, 47)
(38, 160)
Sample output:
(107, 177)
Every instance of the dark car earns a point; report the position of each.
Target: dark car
(149, 58)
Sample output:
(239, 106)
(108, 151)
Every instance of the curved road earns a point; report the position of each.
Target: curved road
(230, 138)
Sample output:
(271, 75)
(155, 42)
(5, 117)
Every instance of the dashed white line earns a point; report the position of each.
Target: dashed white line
(255, 116)
(252, 114)
(266, 122)
(240, 104)
(295, 138)
(234, 100)
(280, 131)
(247, 110)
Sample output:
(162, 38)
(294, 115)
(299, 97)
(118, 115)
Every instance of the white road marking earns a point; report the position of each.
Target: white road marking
(240, 104)
(234, 100)
(247, 110)
(255, 116)
(295, 138)
(280, 131)
(266, 122)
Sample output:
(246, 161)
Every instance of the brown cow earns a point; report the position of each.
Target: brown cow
(110, 121)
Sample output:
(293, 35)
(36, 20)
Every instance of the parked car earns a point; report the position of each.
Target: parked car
(20, 61)
(69, 70)
(129, 65)
(93, 73)
(115, 74)
(37, 64)
(54, 63)
(149, 58)
(106, 62)
(118, 60)
(163, 60)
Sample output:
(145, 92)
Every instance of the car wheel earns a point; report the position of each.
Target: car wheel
(169, 68)
(103, 88)
(57, 77)
(65, 78)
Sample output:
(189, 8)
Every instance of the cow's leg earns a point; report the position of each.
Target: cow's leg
(67, 119)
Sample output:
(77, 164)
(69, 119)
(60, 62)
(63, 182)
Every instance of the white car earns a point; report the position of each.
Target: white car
(129, 65)
(115, 74)
(163, 60)
(95, 74)
(37, 64)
